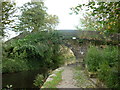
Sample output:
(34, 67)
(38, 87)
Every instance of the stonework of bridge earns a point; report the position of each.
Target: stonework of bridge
(78, 50)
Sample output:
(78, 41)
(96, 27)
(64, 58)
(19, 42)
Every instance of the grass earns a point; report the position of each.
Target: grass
(56, 79)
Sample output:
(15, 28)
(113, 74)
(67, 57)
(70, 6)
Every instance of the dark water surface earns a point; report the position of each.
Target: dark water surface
(23, 79)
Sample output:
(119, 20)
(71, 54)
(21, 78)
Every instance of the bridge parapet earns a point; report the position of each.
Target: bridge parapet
(90, 36)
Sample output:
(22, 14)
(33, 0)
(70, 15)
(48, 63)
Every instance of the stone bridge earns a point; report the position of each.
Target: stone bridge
(75, 40)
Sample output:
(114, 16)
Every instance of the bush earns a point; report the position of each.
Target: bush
(105, 63)
(109, 75)
(39, 80)
(41, 49)
(26, 52)
(93, 58)
(14, 65)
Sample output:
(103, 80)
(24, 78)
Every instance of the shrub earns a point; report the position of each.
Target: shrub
(14, 65)
(39, 80)
(26, 52)
(41, 49)
(105, 63)
(93, 58)
(109, 75)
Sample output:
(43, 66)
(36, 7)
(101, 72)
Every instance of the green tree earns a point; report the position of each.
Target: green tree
(8, 9)
(88, 23)
(32, 17)
(35, 18)
(51, 21)
(105, 13)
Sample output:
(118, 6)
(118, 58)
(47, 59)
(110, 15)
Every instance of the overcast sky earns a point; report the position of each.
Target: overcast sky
(61, 8)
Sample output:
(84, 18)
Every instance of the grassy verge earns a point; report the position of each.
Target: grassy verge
(56, 79)
(82, 79)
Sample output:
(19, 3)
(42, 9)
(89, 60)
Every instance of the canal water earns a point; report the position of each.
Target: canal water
(23, 79)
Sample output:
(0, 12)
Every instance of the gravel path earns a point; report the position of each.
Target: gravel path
(67, 78)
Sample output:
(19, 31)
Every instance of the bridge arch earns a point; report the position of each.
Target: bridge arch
(78, 50)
